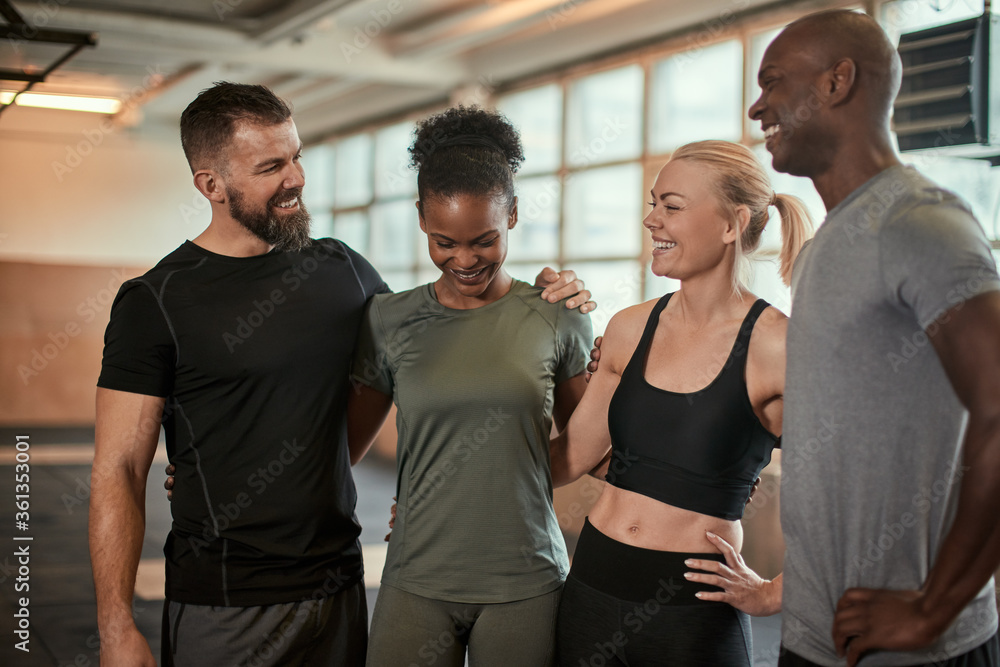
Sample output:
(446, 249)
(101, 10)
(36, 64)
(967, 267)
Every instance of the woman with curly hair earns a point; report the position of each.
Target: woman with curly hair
(478, 367)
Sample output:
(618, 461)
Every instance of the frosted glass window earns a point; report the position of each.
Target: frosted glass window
(424, 262)
(604, 212)
(614, 285)
(697, 95)
(973, 180)
(911, 15)
(424, 276)
(537, 114)
(399, 281)
(353, 171)
(393, 175)
(318, 163)
(322, 225)
(352, 229)
(765, 282)
(528, 272)
(394, 234)
(604, 122)
(536, 235)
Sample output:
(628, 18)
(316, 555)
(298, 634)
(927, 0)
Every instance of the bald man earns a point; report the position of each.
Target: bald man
(892, 407)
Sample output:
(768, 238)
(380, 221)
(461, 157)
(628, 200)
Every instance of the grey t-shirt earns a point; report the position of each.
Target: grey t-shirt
(872, 459)
(475, 391)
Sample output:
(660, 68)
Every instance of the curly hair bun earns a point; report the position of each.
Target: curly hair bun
(466, 126)
(466, 150)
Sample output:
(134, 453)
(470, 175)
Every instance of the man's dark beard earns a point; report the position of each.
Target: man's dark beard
(292, 233)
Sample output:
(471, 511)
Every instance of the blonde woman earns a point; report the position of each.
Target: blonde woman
(688, 400)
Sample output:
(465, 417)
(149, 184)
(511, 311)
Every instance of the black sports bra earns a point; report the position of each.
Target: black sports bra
(700, 451)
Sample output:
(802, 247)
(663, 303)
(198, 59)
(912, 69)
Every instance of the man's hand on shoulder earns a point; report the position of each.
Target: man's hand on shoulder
(561, 285)
(595, 357)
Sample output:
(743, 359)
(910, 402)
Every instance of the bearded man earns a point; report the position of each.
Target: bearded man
(239, 342)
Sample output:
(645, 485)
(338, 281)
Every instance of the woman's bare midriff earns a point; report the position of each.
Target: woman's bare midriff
(640, 521)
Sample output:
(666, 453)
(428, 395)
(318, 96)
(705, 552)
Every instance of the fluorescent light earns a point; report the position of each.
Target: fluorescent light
(107, 105)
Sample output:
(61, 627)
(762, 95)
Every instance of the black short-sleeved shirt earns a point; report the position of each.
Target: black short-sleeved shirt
(253, 356)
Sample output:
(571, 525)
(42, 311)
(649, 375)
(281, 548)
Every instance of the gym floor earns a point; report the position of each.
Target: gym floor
(63, 619)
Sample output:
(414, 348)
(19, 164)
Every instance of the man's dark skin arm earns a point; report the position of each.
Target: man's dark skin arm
(968, 345)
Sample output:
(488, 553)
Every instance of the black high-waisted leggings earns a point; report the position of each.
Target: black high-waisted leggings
(628, 606)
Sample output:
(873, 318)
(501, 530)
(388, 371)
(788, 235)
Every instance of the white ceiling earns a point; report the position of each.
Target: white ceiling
(158, 55)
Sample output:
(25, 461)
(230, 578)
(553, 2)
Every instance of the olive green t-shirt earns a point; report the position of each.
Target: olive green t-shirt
(474, 393)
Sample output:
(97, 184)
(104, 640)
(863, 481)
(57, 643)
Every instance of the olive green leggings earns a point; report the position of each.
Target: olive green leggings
(412, 631)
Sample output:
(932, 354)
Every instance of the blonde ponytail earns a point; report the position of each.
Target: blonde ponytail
(740, 180)
(796, 229)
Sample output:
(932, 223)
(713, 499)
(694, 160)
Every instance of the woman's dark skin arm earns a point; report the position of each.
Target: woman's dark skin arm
(867, 619)
(567, 397)
(366, 413)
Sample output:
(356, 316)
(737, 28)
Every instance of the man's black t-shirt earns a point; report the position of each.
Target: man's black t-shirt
(253, 355)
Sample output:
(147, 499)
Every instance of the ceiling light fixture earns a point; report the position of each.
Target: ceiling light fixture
(106, 105)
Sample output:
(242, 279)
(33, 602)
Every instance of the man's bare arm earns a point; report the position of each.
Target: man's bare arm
(967, 344)
(128, 427)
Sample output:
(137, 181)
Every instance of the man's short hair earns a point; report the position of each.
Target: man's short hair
(210, 121)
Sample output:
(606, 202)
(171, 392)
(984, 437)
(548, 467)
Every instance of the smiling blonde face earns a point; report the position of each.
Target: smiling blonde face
(689, 231)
